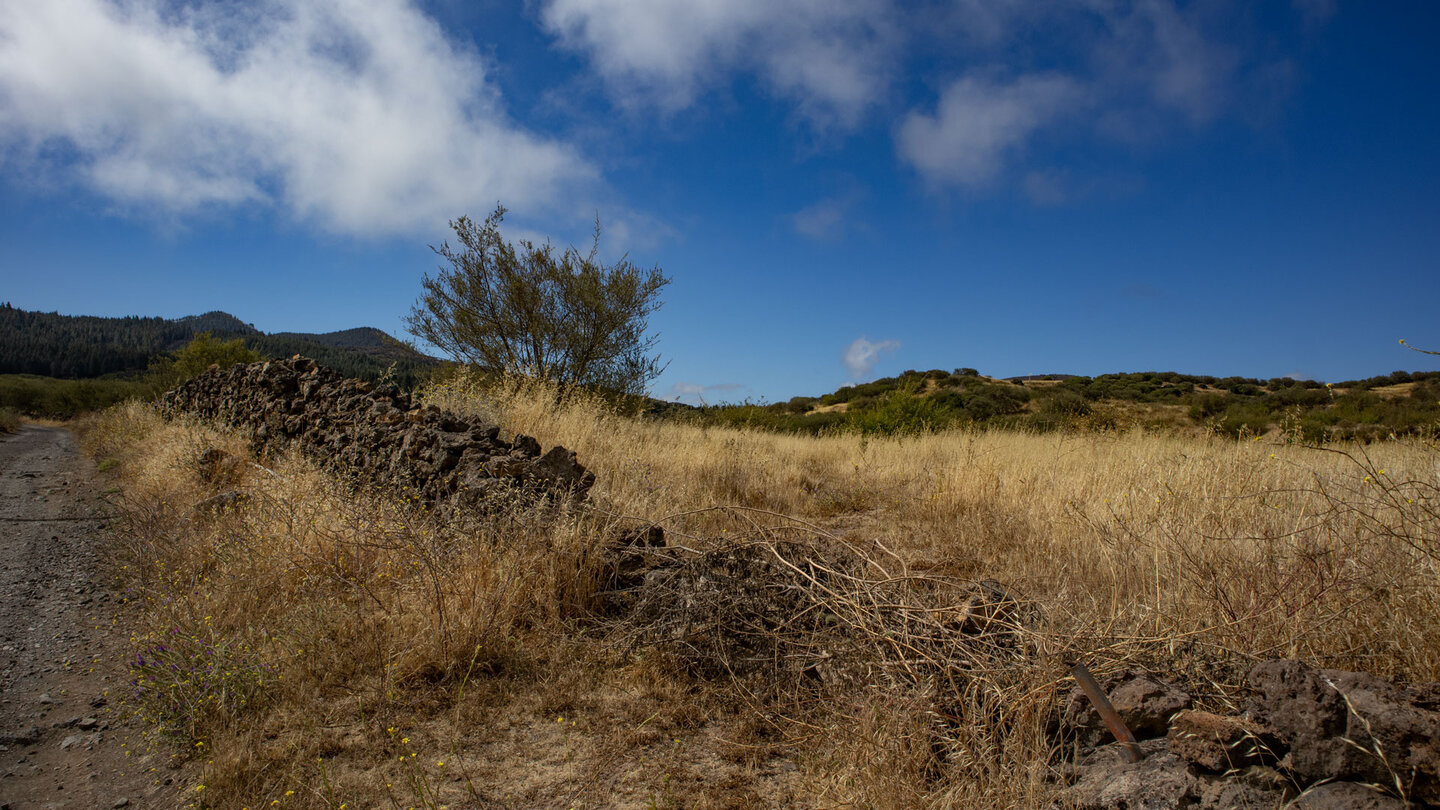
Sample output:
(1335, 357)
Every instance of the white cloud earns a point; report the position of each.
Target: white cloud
(862, 355)
(1045, 187)
(358, 115)
(694, 393)
(979, 123)
(1168, 55)
(833, 58)
(1130, 72)
(825, 218)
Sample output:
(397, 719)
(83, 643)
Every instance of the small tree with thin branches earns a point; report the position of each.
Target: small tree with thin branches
(554, 315)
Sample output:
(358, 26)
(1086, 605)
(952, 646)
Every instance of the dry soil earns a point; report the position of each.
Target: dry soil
(62, 674)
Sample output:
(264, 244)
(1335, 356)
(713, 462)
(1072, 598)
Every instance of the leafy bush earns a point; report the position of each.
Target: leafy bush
(1297, 395)
(198, 355)
(1245, 418)
(800, 404)
(985, 403)
(50, 398)
(950, 398)
(1065, 403)
(526, 308)
(779, 418)
(1204, 406)
(902, 413)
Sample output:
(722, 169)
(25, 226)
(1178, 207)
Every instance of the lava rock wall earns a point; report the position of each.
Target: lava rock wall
(377, 434)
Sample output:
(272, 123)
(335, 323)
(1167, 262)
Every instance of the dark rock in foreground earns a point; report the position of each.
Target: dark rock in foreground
(1312, 738)
(1352, 726)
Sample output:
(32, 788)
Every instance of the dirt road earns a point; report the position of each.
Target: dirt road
(61, 665)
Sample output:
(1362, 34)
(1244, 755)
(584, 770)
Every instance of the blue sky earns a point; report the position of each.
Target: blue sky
(839, 189)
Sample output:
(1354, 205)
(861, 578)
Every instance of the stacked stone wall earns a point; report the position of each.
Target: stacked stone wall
(377, 434)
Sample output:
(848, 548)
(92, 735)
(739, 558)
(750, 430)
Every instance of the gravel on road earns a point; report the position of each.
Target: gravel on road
(63, 743)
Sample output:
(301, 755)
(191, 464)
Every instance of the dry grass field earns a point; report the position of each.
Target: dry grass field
(314, 647)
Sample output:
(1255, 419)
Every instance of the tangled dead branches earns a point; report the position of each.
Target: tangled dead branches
(792, 605)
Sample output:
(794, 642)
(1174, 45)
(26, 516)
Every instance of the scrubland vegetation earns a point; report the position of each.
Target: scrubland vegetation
(1400, 403)
(311, 646)
(49, 398)
(9, 420)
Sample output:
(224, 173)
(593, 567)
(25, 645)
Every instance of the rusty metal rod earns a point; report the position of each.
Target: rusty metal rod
(1092, 690)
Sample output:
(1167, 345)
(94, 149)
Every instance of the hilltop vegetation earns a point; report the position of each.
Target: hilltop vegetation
(76, 347)
(57, 366)
(1399, 403)
(371, 356)
(83, 346)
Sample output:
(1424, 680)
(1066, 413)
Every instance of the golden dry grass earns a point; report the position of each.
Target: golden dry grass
(1186, 554)
(1265, 549)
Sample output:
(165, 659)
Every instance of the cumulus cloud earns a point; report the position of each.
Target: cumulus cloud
(1168, 55)
(1045, 187)
(1128, 72)
(358, 115)
(694, 393)
(832, 58)
(824, 218)
(862, 355)
(979, 122)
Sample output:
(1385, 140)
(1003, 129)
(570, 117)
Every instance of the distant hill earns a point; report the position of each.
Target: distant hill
(366, 340)
(364, 352)
(83, 346)
(363, 337)
(218, 323)
(1400, 403)
(1032, 377)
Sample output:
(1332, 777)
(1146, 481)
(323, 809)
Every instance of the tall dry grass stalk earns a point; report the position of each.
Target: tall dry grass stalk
(1192, 556)
(316, 601)
(1189, 555)
(1256, 549)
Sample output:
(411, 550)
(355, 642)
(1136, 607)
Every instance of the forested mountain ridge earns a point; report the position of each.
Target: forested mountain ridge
(219, 323)
(365, 339)
(84, 346)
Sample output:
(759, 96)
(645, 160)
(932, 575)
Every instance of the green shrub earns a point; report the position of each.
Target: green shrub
(1063, 403)
(984, 403)
(800, 404)
(900, 413)
(1245, 418)
(949, 398)
(778, 418)
(1297, 395)
(199, 354)
(51, 398)
(1204, 406)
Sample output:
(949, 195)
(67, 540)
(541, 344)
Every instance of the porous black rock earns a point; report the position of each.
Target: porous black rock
(377, 435)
